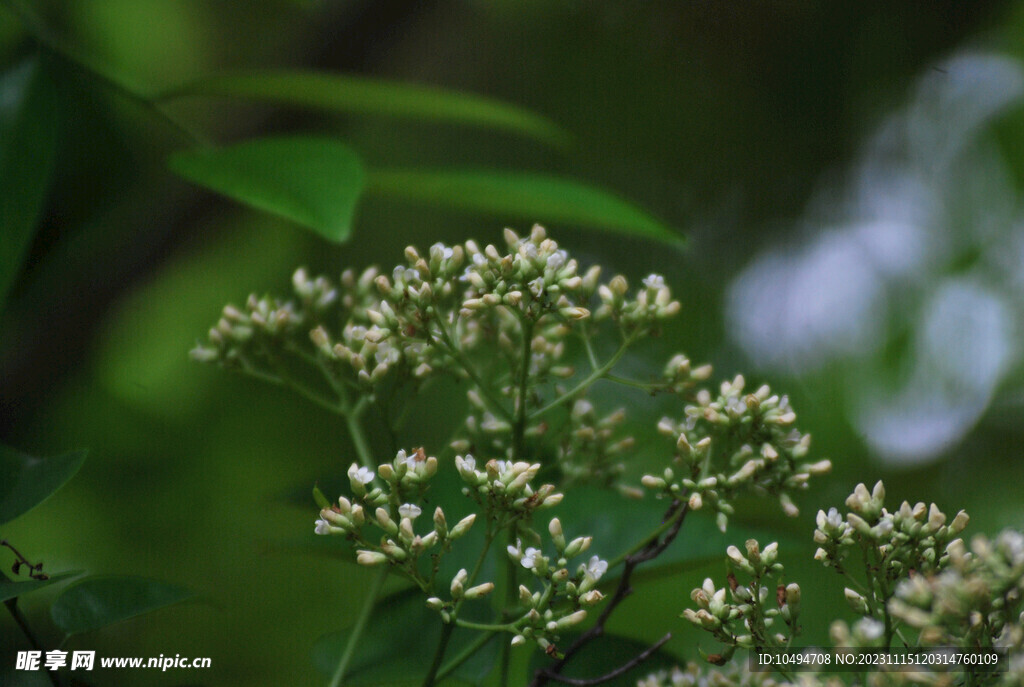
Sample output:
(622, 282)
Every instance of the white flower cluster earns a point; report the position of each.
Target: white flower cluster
(744, 616)
(652, 304)
(534, 278)
(503, 486)
(978, 600)
(243, 338)
(754, 444)
(392, 509)
(561, 601)
(914, 537)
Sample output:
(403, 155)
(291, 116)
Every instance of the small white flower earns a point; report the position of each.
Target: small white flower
(322, 527)
(530, 557)
(556, 259)
(409, 510)
(654, 281)
(467, 463)
(360, 474)
(596, 568)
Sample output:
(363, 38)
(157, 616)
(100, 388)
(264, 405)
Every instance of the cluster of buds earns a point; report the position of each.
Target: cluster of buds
(591, 451)
(732, 442)
(977, 601)
(534, 278)
(911, 539)
(680, 376)
(564, 595)
(387, 501)
(641, 314)
(245, 337)
(748, 616)
(503, 486)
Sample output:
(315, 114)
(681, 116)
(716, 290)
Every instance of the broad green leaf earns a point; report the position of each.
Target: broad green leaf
(312, 181)
(12, 589)
(27, 481)
(607, 653)
(28, 141)
(398, 645)
(351, 94)
(534, 197)
(96, 602)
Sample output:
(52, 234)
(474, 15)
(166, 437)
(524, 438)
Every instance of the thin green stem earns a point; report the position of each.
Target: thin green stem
(589, 348)
(636, 384)
(357, 630)
(358, 436)
(487, 627)
(510, 600)
(446, 636)
(449, 345)
(465, 654)
(519, 428)
(585, 384)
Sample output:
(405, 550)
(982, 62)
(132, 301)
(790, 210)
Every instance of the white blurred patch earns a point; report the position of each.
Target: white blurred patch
(964, 347)
(925, 191)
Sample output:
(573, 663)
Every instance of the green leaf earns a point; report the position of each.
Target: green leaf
(28, 142)
(351, 94)
(12, 589)
(398, 645)
(312, 181)
(534, 197)
(605, 654)
(27, 481)
(96, 602)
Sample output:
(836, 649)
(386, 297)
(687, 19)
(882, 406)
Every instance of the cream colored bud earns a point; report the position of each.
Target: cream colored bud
(462, 526)
(370, 558)
(572, 619)
(480, 590)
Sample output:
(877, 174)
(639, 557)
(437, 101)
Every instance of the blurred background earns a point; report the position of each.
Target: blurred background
(849, 179)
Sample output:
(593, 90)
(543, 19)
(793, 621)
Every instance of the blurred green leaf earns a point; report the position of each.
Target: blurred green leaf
(312, 181)
(605, 654)
(12, 589)
(343, 93)
(402, 621)
(27, 481)
(96, 602)
(28, 141)
(534, 197)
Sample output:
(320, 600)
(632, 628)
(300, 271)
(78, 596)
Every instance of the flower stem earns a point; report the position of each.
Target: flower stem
(357, 630)
(446, 636)
(585, 384)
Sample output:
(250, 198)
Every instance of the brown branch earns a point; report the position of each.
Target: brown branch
(654, 548)
(621, 670)
(34, 571)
